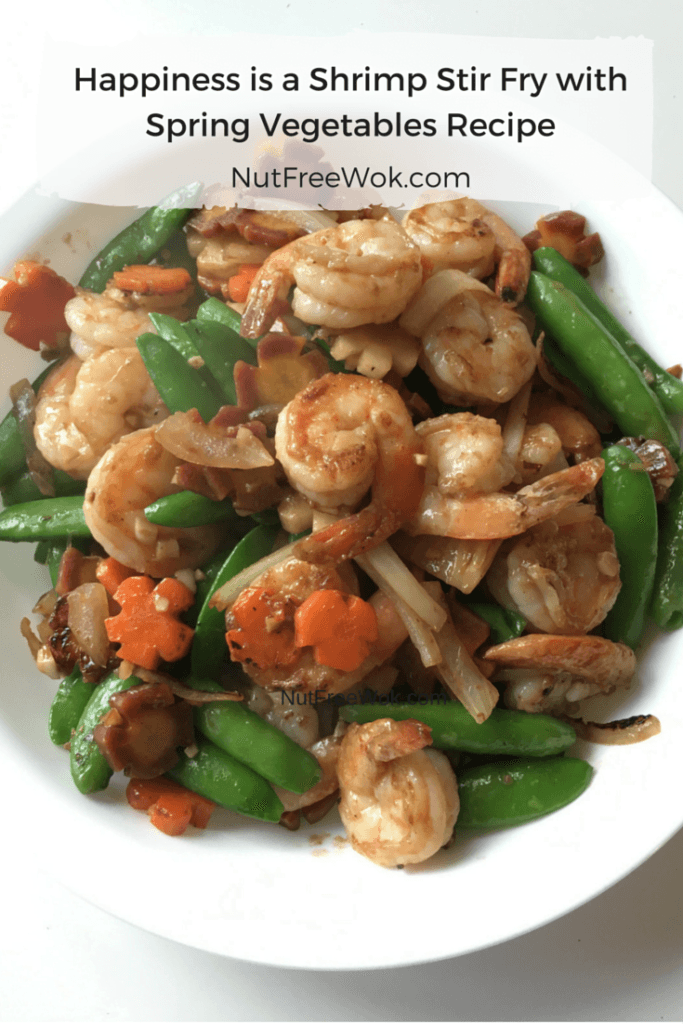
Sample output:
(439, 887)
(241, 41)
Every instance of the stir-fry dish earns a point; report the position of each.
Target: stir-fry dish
(348, 509)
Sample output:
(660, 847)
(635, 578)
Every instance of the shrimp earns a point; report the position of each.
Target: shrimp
(83, 407)
(284, 588)
(552, 673)
(474, 348)
(577, 435)
(562, 575)
(116, 318)
(461, 234)
(399, 802)
(132, 474)
(337, 438)
(358, 272)
(466, 469)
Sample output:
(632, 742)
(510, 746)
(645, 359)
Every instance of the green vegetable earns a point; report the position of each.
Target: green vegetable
(68, 706)
(453, 728)
(208, 646)
(667, 601)
(215, 311)
(615, 378)
(668, 388)
(89, 768)
(188, 509)
(180, 385)
(220, 349)
(505, 624)
(12, 453)
(23, 488)
(630, 511)
(142, 239)
(511, 792)
(254, 742)
(173, 331)
(222, 778)
(45, 519)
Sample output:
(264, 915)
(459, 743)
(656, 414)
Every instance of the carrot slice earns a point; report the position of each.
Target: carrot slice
(240, 283)
(152, 280)
(36, 301)
(340, 628)
(147, 627)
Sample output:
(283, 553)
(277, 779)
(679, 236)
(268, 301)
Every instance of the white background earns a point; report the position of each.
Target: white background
(618, 958)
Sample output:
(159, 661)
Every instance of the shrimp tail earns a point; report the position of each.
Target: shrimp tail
(512, 277)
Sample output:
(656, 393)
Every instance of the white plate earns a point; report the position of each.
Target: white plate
(305, 899)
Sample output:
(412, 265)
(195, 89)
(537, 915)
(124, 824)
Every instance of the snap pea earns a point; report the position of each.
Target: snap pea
(89, 768)
(23, 488)
(208, 647)
(12, 452)
(505, 624)
(667, 596)
(220, 349)
(67, 707)
(42, 552)
(217, 775)
(616, 379)
(509, 793)
(188, 509)
(668, 388)
(630, 511)
(173, 331)
(180, 385)
(453, 728)
(254, 742)
(215, 311)
(55, 548)
(45, 519)
(142, 239)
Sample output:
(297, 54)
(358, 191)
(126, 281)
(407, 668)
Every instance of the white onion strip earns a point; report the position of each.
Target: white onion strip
(515, 424)
(226, 594)
(388, 566)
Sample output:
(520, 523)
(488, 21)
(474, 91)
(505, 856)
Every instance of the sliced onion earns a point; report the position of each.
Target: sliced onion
(515, 424)
(187, 693)
(621, 732)
(226, 594)
(88, 608)
(388, 566)
(186, 436)
(460, 563)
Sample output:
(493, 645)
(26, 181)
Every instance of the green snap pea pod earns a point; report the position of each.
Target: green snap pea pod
(505, 624)
(42, 552)
(23, 488)
(511, 792)
(617, 381)
(630, 511)
(142, 239)
(453, 728)
(208, 646)
(12, 452)
(172, 331)
(45, 519)
(56, 547)
(215, 311)
(217, 775)
(220, 349)
(188, 509)
(68, 705)
(668, 388)
(667, 597)
(254, 742)
(209, 572)
(566, 368)
(89, 768)
(180, 385)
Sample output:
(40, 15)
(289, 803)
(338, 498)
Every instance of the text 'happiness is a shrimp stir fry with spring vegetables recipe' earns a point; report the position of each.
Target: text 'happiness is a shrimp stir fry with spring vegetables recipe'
(343, 509)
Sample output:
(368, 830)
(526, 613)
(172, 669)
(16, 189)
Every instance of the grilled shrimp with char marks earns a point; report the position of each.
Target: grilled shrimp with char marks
(461, 234)
(358, 272)
(399, 802)
(339, 437)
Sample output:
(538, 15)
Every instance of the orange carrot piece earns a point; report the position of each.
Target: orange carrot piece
(147, 626)
(253, 640)
(111, 574)
(169, 804)
(340, 627)
(240, 283)
(36, 301)
(152, 280)
(171, 813)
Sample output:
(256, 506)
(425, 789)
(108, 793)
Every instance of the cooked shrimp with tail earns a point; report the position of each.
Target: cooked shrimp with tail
(399, 802)
(338, 438)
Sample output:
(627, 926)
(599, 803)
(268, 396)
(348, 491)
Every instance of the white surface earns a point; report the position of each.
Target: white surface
(64, 960)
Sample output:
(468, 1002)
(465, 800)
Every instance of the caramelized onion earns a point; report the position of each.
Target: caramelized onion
(88, 608)
(186, 436)
(621, 732)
